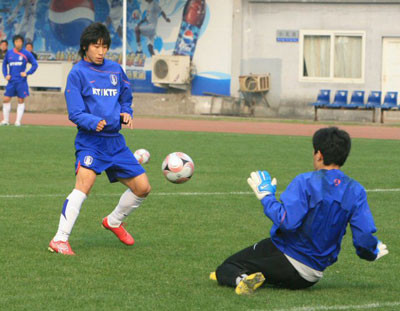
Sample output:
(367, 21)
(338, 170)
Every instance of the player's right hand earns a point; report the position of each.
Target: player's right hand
(101, 125)
(381, 250)
(126, 119)
(8, 77)
(262, 184)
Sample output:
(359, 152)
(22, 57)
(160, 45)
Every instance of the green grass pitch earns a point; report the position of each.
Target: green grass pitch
(180, 238)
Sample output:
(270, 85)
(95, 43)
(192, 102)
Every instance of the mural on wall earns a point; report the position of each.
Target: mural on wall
(153, 27)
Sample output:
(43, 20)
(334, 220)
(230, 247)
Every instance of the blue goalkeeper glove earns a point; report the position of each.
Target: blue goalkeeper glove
(381, 250)
(262, 184)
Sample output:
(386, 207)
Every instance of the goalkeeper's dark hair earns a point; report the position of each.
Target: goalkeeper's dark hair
(333, 143)
(91, 35)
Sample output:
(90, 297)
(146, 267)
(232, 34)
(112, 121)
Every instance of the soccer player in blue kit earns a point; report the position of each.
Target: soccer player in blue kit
(309, 222)
(99, 98)
(14, 66)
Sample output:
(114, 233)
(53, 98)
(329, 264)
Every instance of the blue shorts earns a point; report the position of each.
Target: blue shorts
(109, 154)
(18, 88)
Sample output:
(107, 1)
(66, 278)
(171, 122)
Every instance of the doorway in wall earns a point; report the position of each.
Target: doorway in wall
(390, 65)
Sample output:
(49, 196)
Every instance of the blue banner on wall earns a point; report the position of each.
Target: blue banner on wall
(153, 27)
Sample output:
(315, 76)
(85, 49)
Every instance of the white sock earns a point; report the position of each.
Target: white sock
(127, 204)
(69, 214)
(20, 112)
(139, 46)
(6, 112)
(240, 278)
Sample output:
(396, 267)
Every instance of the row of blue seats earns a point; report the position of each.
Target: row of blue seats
(357, 100)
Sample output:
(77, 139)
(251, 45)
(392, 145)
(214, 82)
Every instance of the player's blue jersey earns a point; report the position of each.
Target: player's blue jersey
(15, 62)
(95, 93)
(311, 219)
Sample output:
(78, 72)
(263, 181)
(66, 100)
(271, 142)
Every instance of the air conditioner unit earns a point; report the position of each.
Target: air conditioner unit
(170, 69)
(254, 83)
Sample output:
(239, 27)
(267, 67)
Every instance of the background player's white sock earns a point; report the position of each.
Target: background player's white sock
(20, 112)
(139, 47)
(69, 214)
(6, 112)
(127, 203)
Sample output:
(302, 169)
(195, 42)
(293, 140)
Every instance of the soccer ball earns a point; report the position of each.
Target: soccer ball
(178, 167)
(142, 155)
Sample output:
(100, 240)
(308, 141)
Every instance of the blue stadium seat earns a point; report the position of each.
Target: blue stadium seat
(357, 100)
(374, 100)
(340, 99)
(323, 98)
(390, 101)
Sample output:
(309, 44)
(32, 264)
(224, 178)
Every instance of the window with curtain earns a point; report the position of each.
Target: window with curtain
(316, 56)
(331, 56)
(348, 56)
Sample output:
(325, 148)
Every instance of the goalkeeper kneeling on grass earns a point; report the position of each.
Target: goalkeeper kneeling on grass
(309, 223)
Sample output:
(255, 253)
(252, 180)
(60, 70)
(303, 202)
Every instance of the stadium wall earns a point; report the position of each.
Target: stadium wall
(143, 104)
(262, 52)
(239, 37)
(147, 104)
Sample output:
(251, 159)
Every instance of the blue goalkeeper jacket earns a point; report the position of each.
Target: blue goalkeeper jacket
(311, 219)
(15, 62)
(95, 93)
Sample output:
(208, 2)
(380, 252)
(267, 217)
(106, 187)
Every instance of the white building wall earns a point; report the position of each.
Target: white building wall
(262, 53)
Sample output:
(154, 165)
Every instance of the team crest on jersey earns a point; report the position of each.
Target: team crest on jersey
(113, 79)
(20, 57)
(88, 160)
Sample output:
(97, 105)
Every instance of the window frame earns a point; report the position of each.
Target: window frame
(332, 34)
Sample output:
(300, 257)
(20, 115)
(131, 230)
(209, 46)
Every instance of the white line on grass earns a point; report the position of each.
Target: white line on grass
(22, 196)
(340, 307)
(383, 190)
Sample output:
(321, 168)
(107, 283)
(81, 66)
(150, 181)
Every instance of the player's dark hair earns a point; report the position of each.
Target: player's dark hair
(29, 43)
(333, 143)
(16, 37)
(91, 35)
(2, 41)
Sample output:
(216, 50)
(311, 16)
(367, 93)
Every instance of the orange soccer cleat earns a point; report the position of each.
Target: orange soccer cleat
(60, 247)
(120, 232)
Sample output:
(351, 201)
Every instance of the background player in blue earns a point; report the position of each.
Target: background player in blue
(14, 66)
(309, 222)
(99, 98)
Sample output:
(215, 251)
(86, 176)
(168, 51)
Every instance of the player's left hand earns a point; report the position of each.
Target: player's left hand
(101, 125)
(262, 184)
(381, 249)
(126, 119)
(23, 74)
